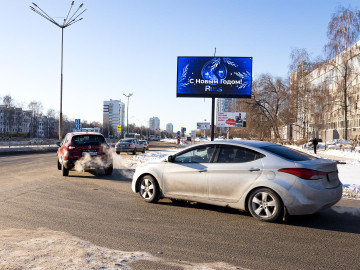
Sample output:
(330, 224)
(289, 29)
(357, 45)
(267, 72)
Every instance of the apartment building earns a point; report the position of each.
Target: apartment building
(321, 111)
(113, 114)
(14, 121)
(169, 128)
(154, 123)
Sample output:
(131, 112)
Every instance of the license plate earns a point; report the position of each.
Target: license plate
(90, 153)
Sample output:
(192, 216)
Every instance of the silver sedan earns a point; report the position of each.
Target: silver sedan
(266, 179)
(129, 146)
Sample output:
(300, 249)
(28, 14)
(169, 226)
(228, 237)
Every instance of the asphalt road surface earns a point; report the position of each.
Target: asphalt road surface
(104, 211)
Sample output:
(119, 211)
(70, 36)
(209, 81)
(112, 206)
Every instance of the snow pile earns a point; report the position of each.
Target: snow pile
(133, 162)
(46, 249)
(351, 191)
(202, 139)
(167, 140)
(174, 141)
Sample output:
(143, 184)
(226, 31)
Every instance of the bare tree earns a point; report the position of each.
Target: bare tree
(36, 108)
(300, 93)
(96, 124)
(50, 124)
(321, 108)
(8, 101)
(9, 114)
(270, 103)
(343, 30)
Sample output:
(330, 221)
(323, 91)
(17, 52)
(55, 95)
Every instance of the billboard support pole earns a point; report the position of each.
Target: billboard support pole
(212, 118)
(213, 112)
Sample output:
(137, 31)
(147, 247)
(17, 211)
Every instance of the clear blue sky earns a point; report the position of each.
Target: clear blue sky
(132, 47)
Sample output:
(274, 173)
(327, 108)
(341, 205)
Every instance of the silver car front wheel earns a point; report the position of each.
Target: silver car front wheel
(149, 189)
(265, 205)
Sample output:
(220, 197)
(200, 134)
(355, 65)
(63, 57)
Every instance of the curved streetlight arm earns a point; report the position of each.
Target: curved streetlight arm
(42, 15)
(73, 22)
(47, 16)
(69, 12)
(72, 16)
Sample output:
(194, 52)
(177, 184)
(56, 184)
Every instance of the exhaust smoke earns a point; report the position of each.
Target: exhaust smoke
(88, 161)
(346, 210)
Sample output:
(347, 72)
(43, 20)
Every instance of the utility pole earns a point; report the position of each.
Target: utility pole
(127, 113)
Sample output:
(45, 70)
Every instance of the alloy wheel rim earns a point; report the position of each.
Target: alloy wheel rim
(264, 204)
(147, 189)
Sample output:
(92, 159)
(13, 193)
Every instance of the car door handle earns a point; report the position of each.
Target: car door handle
(205, 170)
(254, 170)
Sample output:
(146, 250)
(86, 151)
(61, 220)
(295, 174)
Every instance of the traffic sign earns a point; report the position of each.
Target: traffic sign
(77, 124)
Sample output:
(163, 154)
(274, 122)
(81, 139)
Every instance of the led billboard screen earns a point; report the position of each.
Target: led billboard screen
(227, 77)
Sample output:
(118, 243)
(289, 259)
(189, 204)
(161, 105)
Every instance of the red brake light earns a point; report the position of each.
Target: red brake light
(306, 174)
(130, 145)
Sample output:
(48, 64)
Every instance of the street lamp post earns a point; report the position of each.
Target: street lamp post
(205, 129)
(127, 113)
(67, 22)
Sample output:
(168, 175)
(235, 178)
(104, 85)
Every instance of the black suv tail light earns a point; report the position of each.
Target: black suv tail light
(71, 147)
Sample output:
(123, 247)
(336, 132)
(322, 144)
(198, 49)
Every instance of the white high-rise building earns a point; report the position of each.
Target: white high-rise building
(169, 127)
(113, 114)
(154, 123)
(225, 105)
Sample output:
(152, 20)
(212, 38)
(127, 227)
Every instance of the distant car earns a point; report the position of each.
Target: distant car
(78, 145)
(145, 142)
(130, 146)
(188, 138)
(266, 179)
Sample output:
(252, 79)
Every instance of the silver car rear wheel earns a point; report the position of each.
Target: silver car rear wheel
(264, 204)
(149, 189)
